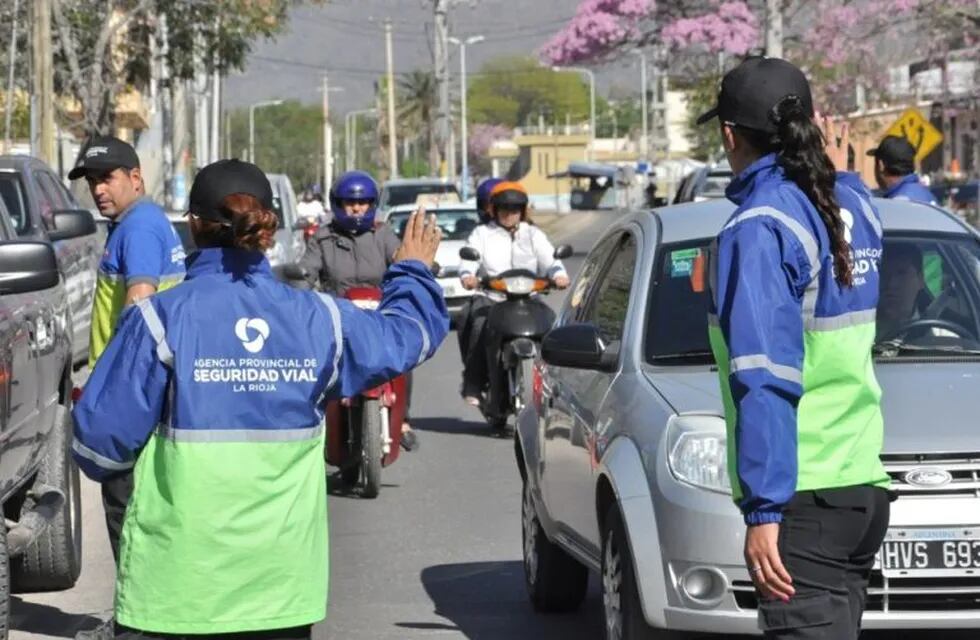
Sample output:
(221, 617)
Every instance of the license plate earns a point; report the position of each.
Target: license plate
(448, 290)
(928, 552)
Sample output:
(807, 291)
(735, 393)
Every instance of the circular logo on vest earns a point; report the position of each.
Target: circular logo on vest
(928, 477)
(252, 332)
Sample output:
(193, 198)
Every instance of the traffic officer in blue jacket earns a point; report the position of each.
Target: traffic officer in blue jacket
(895, 171)
(211, 393)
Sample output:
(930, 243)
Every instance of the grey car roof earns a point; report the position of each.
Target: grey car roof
(694, 220)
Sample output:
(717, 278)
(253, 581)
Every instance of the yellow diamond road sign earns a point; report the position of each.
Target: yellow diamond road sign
(915, 128)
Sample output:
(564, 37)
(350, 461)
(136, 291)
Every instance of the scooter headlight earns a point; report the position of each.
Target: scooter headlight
(698, 452)
(517, 285)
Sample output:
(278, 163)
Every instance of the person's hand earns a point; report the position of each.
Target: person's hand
(836, 142)
(562, 281)
(469, 282)
(764, 564)
(421, 239)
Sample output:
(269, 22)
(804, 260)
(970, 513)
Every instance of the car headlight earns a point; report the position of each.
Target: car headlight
(698, 453)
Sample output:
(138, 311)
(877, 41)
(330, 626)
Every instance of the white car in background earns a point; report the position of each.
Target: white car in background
(456, 222)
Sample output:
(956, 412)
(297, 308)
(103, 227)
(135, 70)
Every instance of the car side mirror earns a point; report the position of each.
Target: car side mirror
(563, 251)
(27, 266)
(72, 223)
(469, 253)
(579, 346)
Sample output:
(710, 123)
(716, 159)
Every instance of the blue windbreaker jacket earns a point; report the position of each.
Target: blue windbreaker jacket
(910, 188)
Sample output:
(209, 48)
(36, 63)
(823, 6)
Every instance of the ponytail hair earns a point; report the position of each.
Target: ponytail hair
(252, 227)
(799, 145)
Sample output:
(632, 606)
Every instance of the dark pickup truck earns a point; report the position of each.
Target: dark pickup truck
(33, 194)
(40, 535)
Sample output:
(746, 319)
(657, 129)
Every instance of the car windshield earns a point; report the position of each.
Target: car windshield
(184, 231)
(929, 302)
(12, 192)
(409, 193)
(456, 224)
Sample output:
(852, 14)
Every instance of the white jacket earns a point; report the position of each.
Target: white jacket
(528, 248)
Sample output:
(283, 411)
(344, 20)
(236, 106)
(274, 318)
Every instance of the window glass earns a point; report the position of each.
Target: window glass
(408, 194)
(455, 224)
(607, 308)
(582, 288)
(52, 193)
(12, 192)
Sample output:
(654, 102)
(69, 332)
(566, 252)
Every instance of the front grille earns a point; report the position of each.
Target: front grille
(963, 470)
(897, 594)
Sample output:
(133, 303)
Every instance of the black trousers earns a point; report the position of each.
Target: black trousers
(296, 633)
(827, 541)
(115, 496)
(472, 336)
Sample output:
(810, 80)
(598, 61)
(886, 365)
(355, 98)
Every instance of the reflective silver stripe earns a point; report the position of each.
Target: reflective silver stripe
(804, 236)
(111, 277)
(338, 337)
(713, 320)
(239, 435)
(159, 334)
(426, 344)
(100, 460)
(843, 321)
(810, 300)
(762, 361)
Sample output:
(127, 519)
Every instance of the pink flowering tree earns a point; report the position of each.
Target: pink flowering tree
(481, 138)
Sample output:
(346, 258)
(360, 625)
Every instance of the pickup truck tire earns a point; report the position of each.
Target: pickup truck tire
(4, 583)
(555, 581)
(54, 561)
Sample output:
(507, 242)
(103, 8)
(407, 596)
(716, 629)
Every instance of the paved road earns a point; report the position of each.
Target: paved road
(437, 555)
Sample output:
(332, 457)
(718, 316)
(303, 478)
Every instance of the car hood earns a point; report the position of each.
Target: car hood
(929, 407)
(448, 252)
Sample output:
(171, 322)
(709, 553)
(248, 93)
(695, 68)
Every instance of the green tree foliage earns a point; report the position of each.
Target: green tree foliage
(514, 90)
(702, 94)
(417, 104)
(620, 117)
(288, 139)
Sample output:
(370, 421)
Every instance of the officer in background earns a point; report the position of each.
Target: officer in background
(143, 255)
(213, 393)
(895, 171)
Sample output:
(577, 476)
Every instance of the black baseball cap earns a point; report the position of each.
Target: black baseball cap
(223, 178)
(751, 91)
(897, 153)
(103, 154)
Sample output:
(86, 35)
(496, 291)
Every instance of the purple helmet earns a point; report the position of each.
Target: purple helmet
(483, 197)
(354, 185)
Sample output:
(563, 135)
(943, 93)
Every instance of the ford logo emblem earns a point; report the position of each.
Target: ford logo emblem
(928, 477)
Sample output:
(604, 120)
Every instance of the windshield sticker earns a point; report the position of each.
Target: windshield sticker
(682, 262)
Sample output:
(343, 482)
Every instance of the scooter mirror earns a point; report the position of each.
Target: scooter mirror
(469, 253)
(563, 251)
(293, 271)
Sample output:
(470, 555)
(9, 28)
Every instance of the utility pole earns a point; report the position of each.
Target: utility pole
(44, 79)
(327, 137)
(774, 28)
(215, 116)
(441, 54)
(392, 141)
(644, 112)
(462, 44)
(12, 62)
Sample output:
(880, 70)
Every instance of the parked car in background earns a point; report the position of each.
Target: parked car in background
(456, 222)
(33, 195)
(411, 191)
(706, 183)
(622, 447)
(41, 530)
(290, 243)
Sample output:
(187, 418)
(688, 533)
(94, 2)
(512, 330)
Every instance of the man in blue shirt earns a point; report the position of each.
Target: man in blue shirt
(895, 171)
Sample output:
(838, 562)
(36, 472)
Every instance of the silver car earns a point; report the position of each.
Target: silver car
(622, 446)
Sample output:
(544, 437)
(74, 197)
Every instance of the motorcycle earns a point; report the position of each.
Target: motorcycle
(363, 432)
(515, 328)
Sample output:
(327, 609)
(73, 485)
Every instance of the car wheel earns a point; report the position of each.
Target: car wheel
(555, 581)
(54, 560)
(4, 583)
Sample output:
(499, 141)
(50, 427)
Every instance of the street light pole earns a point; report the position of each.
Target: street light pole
(350, 134)
(644, 113)
(251, 125)
(591, 149)
(465, 173)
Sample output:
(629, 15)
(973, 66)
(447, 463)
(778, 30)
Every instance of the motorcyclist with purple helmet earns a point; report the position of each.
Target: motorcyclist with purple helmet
(483, 198)
(354, 250)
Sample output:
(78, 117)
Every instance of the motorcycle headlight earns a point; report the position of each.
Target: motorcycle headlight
(698, 452)
(519, 285)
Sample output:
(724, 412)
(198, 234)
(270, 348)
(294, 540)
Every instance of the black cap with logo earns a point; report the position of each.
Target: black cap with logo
(223, 178)
(104, 154)
(897, 154)
(751, 91)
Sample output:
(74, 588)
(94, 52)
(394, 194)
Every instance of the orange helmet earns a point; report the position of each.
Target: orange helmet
(511, 194)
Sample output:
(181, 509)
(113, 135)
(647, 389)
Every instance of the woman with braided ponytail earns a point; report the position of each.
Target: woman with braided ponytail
(792, 328)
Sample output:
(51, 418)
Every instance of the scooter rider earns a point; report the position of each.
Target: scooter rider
(483, 198)
(213, 393)
(353, 250)
(509, 241)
